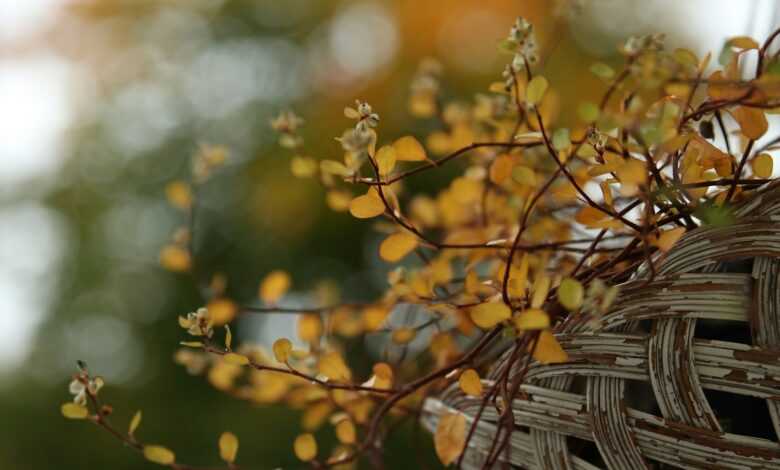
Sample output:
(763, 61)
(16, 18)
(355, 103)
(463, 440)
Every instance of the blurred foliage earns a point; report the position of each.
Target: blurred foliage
(155, 94)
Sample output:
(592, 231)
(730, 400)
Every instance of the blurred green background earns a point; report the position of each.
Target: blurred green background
(105, 101)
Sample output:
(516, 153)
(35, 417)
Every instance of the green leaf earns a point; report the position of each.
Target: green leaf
(535, 90)
(588, 112)
(561, 139)
(602, 70)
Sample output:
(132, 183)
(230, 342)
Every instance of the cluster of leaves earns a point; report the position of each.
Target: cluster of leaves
(537, 229)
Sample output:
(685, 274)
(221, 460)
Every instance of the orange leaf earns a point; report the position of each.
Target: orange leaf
(752, 121)
(450, 437)
(668, 238)
(762, 165)
(396, 246)
(589, 216)
(548, 350)
(470, 383)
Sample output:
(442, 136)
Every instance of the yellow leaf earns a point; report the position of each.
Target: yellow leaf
(762, 165)
(338, 200)
(309, 327)
(383, 374)
(74, 411)
(274, 286)
(305, 447)
(632, 172)
(315, 415)
(532, 319)
(470, 383)
(385, 159)
(752, 121)
(345, 431)
(175, 258)
(540, 289)
(409, 149)
(135, 422)
(450, 437)
(524, 175)
(501, 168)
(374, 317)
(237, 359)
(422, 105)
(424, 210)
(535, 90)
(228, 447)
(221, 311)
(228, 338)
(366, 206)
(548, 350)
(570, 294)
(282, 348)
(396, 246)
(743, 42)
(490, 314)
(179, 194)
(403, 335)
(590, 216)
(466, 190)
(518, 278)
(303, 167)
(332, 167)
(332, 365)
(159, 454)
(668, 238)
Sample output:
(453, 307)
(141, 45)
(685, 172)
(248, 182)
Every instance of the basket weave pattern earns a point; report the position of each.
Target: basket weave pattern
(649, 335)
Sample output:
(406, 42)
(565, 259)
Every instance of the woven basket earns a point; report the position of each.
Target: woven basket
(649, 387)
